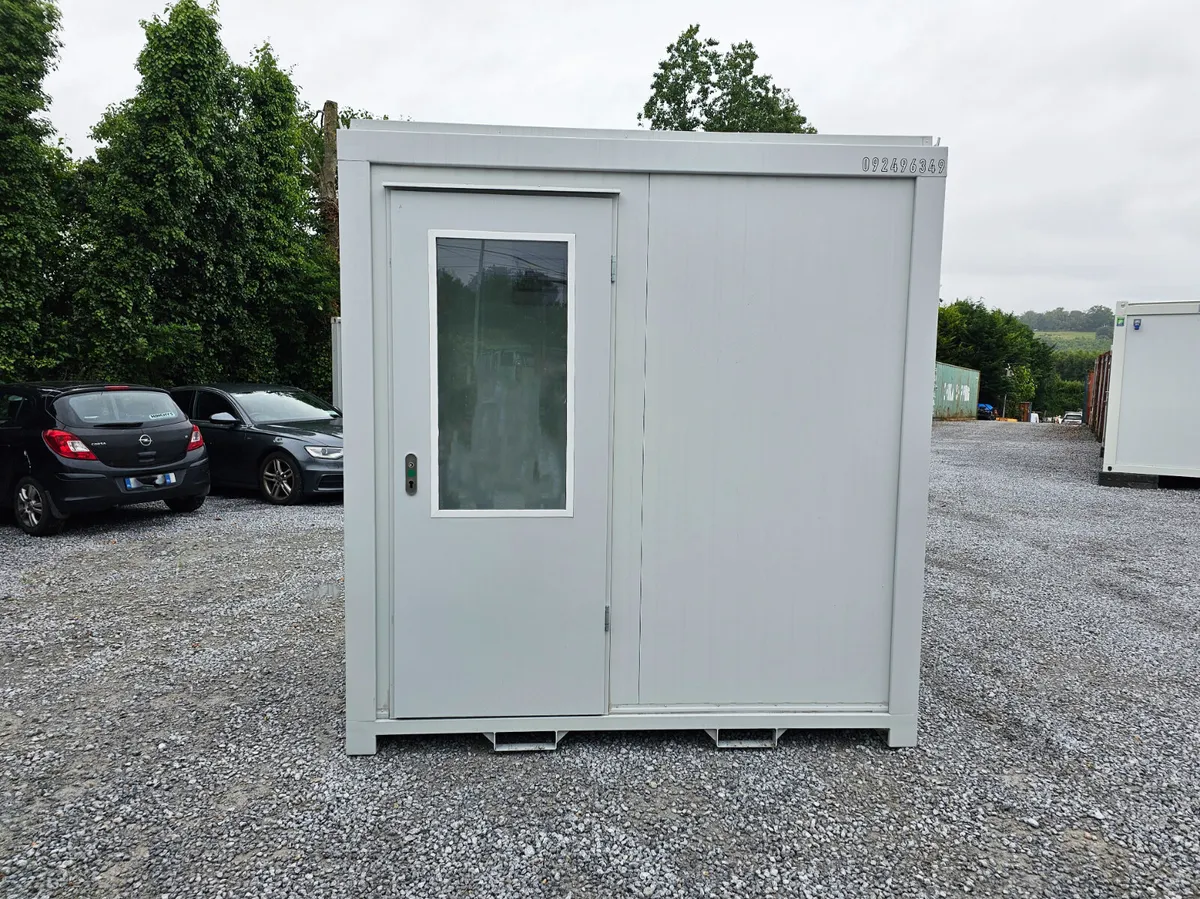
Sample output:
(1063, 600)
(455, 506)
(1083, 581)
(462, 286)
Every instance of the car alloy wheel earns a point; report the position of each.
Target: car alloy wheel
(33, 510)
(31, 507)
(280, 480)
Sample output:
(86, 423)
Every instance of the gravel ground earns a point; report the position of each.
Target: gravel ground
(171, 703)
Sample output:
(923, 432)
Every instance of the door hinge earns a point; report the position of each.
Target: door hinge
(607, 618)
(612, 271)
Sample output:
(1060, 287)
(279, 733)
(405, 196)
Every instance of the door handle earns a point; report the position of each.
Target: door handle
(410, 474)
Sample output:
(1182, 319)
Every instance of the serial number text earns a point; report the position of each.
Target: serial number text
(903, 165)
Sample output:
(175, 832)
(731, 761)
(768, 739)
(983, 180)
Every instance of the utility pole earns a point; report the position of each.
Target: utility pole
(1007, 377)
(327, 181)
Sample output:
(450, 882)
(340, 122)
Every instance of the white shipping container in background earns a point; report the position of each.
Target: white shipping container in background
(597, 478)
(1152, 429)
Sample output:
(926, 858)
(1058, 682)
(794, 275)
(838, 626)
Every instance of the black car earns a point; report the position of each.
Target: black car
(283, 442)
(79, 447)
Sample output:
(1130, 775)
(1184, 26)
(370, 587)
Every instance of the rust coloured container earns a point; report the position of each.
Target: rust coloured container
(1097, 406)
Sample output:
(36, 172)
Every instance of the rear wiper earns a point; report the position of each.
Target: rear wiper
(121, 424)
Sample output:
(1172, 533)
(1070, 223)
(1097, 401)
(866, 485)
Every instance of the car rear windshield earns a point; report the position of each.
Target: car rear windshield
(117, 409)
(272, 406)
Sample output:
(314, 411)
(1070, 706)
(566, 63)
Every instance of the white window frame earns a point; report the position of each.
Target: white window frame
(435, 479)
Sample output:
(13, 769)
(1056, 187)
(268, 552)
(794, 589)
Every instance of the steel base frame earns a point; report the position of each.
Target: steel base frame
(1127, 479)
(1147, 481)
(362, 736)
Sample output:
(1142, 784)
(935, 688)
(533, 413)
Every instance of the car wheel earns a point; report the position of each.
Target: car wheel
(279, 480)
(32, 508)
(184, 503)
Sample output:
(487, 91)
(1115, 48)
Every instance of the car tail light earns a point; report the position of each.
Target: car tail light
(67, 445)
(197, 440)
(116, 387)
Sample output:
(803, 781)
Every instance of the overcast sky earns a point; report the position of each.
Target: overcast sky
(1072, 124)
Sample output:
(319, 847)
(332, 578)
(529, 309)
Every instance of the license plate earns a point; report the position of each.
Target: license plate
(162, 480)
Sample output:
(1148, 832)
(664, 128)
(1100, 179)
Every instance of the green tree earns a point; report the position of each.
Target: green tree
(1023, 387)
(1013, 363)
(698, 88)
(1069, 397)
(290, 277)
(165, 223)
(1074, 365)
(1061, 319)
(31, 180)
(204, 259)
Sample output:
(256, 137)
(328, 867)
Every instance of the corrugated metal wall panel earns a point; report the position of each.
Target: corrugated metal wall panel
(955, 392)
(1097, 405)
(733, 341)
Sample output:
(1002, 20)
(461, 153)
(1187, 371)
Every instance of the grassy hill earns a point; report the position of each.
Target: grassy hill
(1075, 340)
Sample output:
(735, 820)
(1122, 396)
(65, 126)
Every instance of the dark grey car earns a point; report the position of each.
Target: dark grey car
(72, 447)
(283, 442)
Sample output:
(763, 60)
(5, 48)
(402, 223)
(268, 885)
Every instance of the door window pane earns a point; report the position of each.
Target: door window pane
(184, 399)
(209, 404)
(12, 408)
(502, 374)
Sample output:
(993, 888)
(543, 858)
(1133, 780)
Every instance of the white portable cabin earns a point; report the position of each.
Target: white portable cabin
(637, 430)
(1152, 429)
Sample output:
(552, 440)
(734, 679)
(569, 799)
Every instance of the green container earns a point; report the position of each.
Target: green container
(955, 392)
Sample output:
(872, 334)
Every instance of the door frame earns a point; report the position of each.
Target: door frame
(389, 317)
(11, 446)
(369, 187)
(366, 239)
(222, 438)
(434, 424)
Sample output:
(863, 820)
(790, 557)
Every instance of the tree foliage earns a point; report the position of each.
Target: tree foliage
(292, 276)
(316, 142)
(164, 223)
(1061, 319)
(1074, 365)
(699, 88)
(188, 249)
(1014, 364)
(32, 173)
(1069, 395)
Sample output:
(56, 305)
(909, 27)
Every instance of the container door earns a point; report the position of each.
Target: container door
(501, 344)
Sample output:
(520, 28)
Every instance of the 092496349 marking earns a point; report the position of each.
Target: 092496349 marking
(903, 165)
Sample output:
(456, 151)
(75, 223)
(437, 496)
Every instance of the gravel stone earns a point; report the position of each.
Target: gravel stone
(171, 702)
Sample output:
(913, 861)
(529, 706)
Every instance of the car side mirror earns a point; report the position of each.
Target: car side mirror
(223, 418)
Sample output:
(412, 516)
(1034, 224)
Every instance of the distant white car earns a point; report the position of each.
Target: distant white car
(1072, 418)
